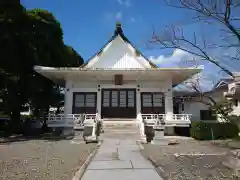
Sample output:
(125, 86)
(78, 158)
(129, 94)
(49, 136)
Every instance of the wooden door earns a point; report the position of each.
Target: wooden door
(118, 103)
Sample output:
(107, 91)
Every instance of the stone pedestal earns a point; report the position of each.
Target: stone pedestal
(159, 136)
(89, 130)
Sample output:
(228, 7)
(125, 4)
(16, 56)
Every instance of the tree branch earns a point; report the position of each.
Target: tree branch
(172, 44)
(222, 17)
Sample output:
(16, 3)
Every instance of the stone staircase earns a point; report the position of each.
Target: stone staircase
(121, 129)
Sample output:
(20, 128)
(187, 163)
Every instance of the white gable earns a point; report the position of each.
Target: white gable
(119, 55)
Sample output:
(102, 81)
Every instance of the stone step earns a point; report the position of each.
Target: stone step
(119, 122)
(129, 126)
(121, 128)
(119, 125)
(118, 119)
(121, 132)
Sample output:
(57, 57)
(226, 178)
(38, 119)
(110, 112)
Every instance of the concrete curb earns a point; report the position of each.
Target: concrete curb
(140, 145)
(81, 171)
(158, 169)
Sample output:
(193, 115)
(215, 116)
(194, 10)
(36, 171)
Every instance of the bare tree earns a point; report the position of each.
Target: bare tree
(217, 13)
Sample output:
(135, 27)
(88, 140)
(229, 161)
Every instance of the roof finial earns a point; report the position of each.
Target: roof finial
(118, 24)
(118, 29)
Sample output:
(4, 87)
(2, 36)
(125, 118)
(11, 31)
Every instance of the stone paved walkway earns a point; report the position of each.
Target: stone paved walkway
(120, 159)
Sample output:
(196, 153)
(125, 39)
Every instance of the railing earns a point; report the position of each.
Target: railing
(73, 120)
(160, 119)
(59, 119)
(154, 120)
(146, 117)
(78, 121)
(181, 117)
(90, 116)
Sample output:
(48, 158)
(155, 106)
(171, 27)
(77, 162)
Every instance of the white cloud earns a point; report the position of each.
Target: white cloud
(126, 3)
(177, 58)
(119, 15)
(157, 60)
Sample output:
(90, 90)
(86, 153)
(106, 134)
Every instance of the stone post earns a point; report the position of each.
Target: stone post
(159, 136)
(169, 105)
(159, 128)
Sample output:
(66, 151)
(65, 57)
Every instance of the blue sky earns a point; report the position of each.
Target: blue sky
(88, 24)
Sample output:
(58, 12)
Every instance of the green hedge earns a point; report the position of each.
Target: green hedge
(202, 130)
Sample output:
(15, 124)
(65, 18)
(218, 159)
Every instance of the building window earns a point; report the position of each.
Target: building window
(152, 103)
(90, 100)
(131, 98)
(157, 100)
(152, 99)
(206, 115)
(84, 102)
(147, 100)
(114, 99)
(79, 100)
(106, 98)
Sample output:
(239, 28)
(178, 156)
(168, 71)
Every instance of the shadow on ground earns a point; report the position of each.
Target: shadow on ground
(46, 136)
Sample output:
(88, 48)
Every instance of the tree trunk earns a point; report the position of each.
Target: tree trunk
(15, 123)
(45, 126)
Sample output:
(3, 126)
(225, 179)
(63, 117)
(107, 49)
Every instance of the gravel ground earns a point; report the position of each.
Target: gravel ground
(42, 159)
(187, 167)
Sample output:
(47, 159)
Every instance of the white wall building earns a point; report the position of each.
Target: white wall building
(199, 110)
(120, 83)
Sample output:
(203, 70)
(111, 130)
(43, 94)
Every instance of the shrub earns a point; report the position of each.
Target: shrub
(205, 130)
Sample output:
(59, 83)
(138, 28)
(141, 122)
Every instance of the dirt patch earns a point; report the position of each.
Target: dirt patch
(42, 159)
(199, 160)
